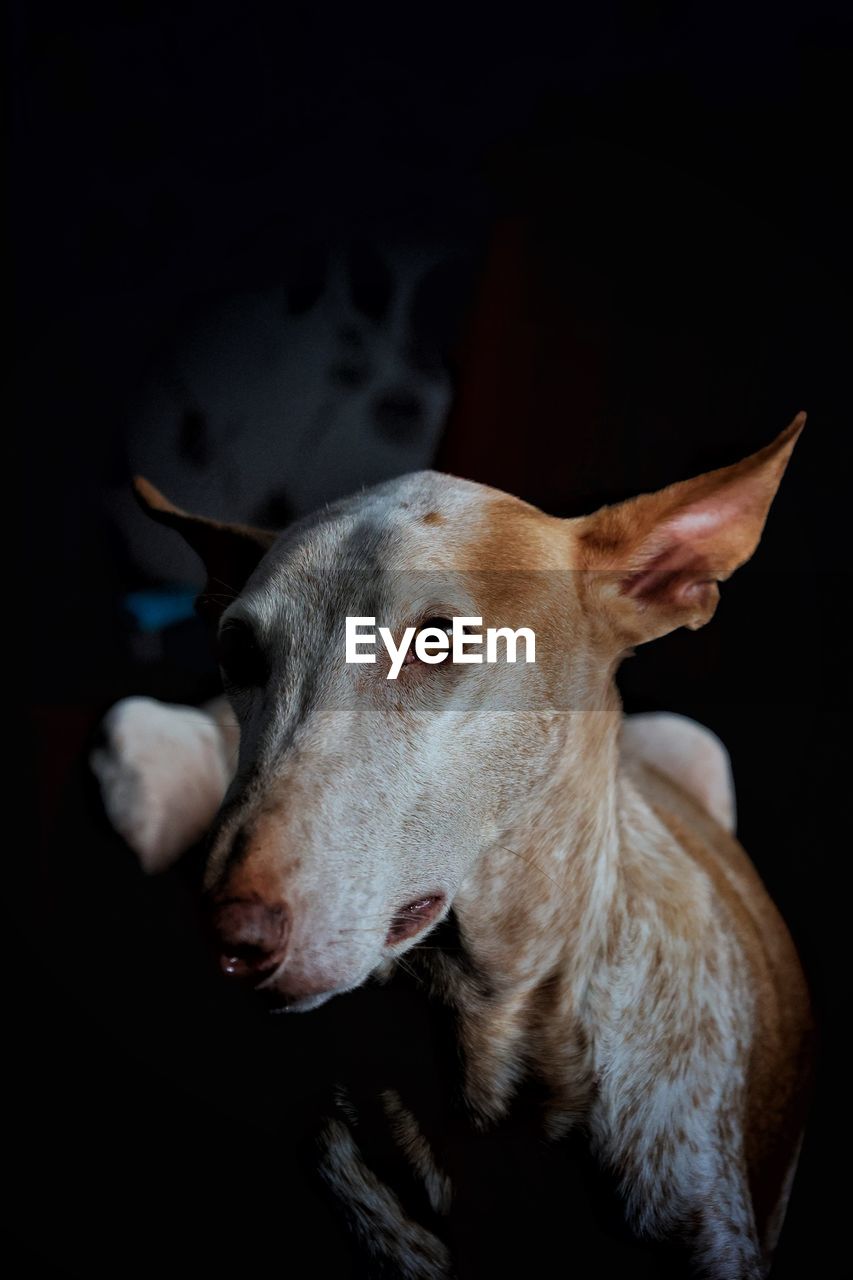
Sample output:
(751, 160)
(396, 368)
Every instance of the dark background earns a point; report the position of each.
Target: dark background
(654, 278)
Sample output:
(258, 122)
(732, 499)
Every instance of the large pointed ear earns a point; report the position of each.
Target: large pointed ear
(230, 552)
(655, 561)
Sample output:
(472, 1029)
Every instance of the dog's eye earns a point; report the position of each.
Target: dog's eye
(430, 624)
(240, 656)
(437, 624)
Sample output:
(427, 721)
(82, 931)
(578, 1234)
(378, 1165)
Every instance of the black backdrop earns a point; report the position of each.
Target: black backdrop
(166, 153)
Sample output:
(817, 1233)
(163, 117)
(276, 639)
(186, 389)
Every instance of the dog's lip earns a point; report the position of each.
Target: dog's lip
(414, 916)
(406, 922)
(281, 998)
(277, 1002)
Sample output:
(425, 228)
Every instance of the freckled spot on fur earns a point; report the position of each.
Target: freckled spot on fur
(660, 1152)
(433, 517)
(708, 1032)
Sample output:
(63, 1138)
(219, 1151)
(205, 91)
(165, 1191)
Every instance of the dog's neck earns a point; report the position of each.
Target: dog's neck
(535, 920)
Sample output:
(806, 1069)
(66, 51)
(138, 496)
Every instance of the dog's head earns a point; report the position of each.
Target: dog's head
(361, 803)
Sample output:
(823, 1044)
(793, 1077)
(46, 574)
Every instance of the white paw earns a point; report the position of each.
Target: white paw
(163, 773)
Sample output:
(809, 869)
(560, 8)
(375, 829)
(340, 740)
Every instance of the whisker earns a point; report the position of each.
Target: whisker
(407, 968)
(530, 863)
(365, 930)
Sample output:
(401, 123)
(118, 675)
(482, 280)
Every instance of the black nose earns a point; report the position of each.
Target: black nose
(250, 937)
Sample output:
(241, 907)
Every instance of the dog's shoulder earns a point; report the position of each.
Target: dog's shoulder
(782, 1028)
(761, 932)
(707, 845)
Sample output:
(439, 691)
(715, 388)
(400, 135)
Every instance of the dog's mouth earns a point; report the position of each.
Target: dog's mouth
(284, 991)
(275, 1002)
(414, 917)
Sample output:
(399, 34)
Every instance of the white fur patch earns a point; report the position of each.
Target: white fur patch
(690, 754)
(163, 773)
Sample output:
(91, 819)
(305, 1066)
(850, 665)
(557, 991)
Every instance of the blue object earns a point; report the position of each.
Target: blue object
(161, 607)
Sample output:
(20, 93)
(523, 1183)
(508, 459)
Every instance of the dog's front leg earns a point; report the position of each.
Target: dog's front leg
(163, 771)
(396, 1246)
(683, 1174)
(724, 1244)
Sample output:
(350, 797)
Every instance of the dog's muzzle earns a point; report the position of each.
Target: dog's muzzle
(250, 938)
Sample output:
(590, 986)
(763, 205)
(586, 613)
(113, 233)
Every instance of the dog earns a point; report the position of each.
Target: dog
(613, 940)
(336, 376)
